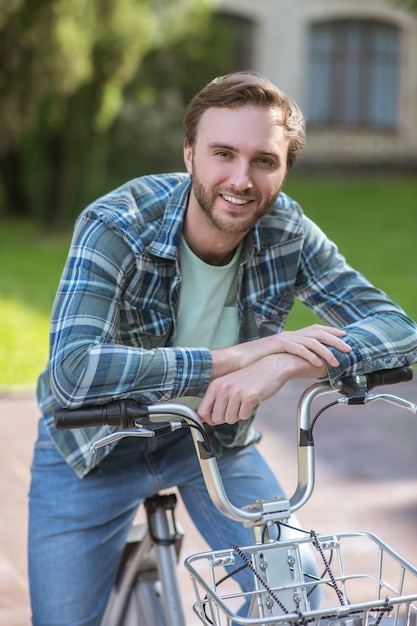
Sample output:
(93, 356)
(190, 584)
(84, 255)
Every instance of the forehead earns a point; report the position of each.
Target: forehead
(251, 126)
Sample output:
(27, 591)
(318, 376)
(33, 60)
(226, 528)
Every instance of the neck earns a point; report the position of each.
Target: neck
(210, 257)
(210, 244)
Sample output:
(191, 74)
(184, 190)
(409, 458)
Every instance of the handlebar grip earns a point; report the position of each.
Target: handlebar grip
(390, 377)
(358, 386)
(121, 414)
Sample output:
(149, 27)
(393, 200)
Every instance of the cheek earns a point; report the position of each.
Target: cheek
(274, 183)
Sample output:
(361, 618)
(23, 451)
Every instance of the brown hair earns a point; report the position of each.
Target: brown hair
(247, 88)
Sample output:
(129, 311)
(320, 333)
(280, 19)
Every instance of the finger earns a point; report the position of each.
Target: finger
(318, 355)
(225, 409)
(330, 339)
(322, 351)
(331, 329)
(326, 334)
(206, 406)
(310, 350)
(214, 405)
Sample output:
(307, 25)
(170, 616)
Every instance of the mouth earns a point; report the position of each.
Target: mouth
(236, 202)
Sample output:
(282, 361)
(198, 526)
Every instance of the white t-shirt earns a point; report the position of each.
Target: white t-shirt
(207, 311)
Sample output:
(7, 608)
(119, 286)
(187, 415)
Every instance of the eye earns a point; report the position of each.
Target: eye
(266, 162)
(222, 154)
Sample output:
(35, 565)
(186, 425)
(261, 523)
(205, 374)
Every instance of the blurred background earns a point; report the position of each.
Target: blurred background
(93, 93)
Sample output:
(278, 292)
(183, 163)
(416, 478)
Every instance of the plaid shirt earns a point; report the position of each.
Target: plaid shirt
(114, 317)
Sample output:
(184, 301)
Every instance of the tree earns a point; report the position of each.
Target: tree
(65, 67)
(410, 5)
(147, 135)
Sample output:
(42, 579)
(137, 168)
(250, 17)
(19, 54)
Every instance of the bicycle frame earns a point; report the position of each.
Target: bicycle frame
(152, 558)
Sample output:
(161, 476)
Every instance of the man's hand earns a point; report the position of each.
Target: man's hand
(309, 343)
(247, 374)
(236, 395)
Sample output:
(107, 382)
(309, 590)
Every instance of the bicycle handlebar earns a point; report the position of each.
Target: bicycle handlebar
(126, 413)
(131, 414)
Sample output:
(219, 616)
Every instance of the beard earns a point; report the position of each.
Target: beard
(235, 223)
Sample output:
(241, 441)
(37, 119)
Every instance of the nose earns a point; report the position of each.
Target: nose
(240, 176)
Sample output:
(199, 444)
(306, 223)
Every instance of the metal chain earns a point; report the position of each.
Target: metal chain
(318, 547)
(387, 608)
(261, 580)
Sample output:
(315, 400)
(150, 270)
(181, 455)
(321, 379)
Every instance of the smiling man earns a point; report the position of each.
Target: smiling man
(178, 287)
(236, 178)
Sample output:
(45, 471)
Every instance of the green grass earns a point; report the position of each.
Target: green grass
(374, 223)
(31, 265)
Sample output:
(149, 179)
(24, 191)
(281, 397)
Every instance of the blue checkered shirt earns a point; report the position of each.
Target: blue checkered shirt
(114, 317)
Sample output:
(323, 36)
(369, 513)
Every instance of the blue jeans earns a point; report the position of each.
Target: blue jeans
(77, 528)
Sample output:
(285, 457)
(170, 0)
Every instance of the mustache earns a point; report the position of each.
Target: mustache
(241, 193)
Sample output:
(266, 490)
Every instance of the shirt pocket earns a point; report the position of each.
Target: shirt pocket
(270, 314)
(145, 327)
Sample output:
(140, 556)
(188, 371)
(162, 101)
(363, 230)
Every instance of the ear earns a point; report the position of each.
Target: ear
(188, 157)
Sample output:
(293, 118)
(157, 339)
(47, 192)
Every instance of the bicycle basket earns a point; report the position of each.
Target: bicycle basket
(364, 583)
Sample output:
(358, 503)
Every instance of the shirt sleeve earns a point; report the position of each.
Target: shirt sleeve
(87, 363)
(379, 332)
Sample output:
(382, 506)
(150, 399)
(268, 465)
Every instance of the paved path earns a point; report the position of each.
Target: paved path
(366, 476)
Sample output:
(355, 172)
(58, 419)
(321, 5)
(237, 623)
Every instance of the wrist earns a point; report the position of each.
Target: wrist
(224, 361)
(295, 367)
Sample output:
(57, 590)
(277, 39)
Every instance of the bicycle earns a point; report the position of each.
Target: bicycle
(146, 591)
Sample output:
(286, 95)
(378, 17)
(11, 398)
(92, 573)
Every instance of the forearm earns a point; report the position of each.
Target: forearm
(382, 341)
(98, 349)
(109, 371)
(312, 344)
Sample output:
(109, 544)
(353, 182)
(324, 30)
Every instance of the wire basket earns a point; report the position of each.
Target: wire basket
(363, 582)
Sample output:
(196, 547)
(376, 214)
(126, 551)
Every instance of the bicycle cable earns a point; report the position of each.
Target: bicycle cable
(307, 574)
(221, 581)
(320, 411)
(194, 424)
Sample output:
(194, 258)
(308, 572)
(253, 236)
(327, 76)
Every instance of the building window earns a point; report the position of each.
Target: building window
(240, 33)
(353, 76)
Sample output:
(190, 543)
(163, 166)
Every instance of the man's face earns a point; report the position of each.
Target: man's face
(238, 165)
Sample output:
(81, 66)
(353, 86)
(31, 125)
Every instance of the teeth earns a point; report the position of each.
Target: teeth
(233, 200)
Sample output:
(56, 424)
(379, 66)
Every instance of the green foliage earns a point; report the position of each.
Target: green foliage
(51, 49)
(409, 5)
(65, 67)
(148, 134)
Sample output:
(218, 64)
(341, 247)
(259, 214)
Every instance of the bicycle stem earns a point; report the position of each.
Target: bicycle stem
(305, 448)
(208, 465)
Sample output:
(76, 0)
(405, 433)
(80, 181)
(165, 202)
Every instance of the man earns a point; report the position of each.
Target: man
(178, 286)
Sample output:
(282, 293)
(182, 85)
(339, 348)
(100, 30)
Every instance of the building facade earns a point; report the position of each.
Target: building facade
(350, 64)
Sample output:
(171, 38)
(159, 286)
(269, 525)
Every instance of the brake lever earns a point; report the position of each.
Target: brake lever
(152, 429)
(117, 436)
